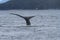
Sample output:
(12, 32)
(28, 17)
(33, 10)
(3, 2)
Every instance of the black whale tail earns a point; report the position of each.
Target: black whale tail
(17, 15)
(27, 19)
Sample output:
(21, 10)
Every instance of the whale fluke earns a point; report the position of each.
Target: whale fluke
(27, 18)
(17, 15)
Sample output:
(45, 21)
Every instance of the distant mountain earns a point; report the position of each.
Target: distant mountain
(17, 4)
(31, 4)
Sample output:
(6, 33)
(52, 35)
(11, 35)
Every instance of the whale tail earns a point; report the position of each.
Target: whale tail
(17, 15)
(31, 17)
(27, 19)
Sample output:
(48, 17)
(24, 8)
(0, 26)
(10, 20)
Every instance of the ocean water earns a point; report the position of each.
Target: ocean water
(44, 26)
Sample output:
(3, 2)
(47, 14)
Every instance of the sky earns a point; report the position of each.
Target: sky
(3, 1)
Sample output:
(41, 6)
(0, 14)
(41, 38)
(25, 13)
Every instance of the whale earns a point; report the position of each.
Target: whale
(26, 18)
